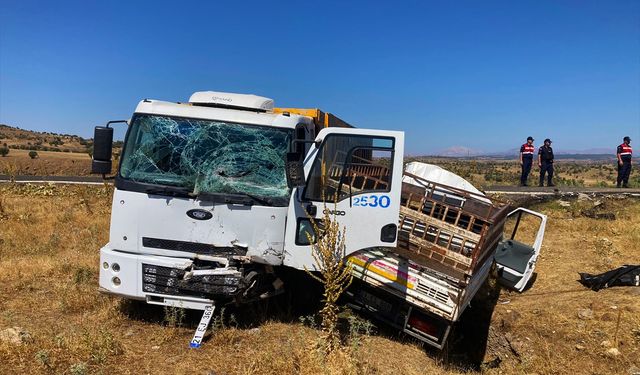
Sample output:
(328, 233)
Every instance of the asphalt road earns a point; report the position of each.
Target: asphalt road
(560, 190)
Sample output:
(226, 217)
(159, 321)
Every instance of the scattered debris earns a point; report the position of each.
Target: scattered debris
(585, 314)
(605, 344)
(564, 203)
(155, 347)
(15, 336)
(583, 197)
(580, 347)
(593, 214)
(633, 370)
(612, 352)
(628, 275)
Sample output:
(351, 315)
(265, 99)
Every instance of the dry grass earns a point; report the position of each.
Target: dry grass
(48, 163)
(49, 240)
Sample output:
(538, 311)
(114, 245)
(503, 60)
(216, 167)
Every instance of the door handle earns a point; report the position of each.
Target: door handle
(388, 233)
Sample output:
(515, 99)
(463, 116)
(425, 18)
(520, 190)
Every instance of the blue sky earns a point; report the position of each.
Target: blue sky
(478, 74)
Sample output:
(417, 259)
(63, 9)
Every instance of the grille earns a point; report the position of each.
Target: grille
(191, 247)
(439, 296)
(166, 280)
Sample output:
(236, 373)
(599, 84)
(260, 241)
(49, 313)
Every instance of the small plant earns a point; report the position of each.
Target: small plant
(83, 275)
(4, 150)
(42, 356)
(33, 154)
(102, 345)
(60, 341)
(173, 316)
(328, 253)
(79, 368)
(358, 328)
(3, 212)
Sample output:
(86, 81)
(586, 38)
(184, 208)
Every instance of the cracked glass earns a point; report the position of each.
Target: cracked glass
(208, 156)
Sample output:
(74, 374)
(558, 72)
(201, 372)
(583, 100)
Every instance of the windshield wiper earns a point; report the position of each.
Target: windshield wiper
(239, 198)
(168, 191)
(263, 200)
(226, 198)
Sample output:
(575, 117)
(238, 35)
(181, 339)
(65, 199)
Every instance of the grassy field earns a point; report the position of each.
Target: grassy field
(48, 163)
(488, 172)
(49, 241)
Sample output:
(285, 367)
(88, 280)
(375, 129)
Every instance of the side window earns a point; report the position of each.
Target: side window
(349, 165)
(300, 135)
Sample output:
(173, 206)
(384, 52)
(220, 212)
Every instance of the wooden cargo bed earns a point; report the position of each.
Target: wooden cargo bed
(446, 229)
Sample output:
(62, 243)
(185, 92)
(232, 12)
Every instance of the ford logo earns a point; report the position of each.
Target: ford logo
(199, 214)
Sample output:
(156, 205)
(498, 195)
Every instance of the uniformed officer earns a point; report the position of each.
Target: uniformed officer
(526, 159)
(624, 162)
(545, 162)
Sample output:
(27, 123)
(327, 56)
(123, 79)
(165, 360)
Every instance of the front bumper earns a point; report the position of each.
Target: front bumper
(121, 273)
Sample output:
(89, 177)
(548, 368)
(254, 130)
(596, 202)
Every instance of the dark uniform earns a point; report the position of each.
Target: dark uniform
(526, 155)
(624, 169)
(545, 155)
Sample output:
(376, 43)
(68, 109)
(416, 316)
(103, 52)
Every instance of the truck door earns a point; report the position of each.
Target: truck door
(517, 254)
(356, 174)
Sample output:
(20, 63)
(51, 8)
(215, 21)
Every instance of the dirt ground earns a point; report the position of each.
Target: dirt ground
(49, 241)
(48, 163)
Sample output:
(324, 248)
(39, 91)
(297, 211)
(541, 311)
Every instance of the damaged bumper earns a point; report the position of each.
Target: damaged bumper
(164, 280)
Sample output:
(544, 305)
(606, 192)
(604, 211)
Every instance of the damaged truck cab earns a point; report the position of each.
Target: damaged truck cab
(203, 207)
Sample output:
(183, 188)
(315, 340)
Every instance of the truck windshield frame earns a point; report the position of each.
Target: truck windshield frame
(191, 157)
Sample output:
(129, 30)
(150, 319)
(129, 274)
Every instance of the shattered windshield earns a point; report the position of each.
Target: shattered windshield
(206, 156)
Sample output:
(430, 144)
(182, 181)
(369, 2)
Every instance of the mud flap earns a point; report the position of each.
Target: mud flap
(515, 260)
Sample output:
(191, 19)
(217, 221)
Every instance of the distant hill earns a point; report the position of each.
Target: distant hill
(462, 152)
(459, 151)
(16, 138)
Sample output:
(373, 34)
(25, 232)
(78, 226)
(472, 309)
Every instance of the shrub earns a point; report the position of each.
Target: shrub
(4, 151)
(79, 368)
(328, 253)
(33, 154)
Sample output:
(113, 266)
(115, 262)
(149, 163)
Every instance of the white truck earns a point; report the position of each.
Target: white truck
(213, 198)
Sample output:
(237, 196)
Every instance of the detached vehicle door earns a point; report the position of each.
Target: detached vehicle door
(517, 254)
(355, 174)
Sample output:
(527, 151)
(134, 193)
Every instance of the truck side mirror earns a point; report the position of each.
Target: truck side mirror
(102, 150)
(294, 169)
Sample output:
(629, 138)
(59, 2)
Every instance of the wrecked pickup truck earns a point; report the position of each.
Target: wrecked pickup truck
(215, 197)
(450, 237)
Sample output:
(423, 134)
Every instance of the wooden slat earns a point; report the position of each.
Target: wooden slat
(440, 224)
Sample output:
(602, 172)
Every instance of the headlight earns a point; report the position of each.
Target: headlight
(115, 267)
(115, 281)
(105, 265)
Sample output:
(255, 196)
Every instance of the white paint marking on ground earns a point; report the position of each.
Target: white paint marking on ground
(55, 182)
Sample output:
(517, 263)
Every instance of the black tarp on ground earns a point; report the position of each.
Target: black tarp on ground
(628, 275)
